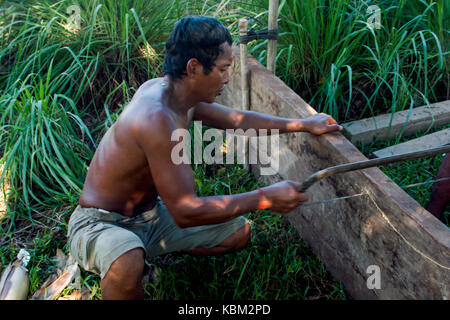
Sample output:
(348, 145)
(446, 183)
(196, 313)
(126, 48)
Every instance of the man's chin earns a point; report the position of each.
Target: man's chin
(210, 100)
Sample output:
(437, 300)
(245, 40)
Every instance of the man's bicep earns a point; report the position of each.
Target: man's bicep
(173, 179)
(174, 182)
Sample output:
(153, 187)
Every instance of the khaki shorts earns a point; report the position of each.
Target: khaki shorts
(98, 237)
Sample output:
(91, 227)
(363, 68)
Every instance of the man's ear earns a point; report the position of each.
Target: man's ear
(193, 67)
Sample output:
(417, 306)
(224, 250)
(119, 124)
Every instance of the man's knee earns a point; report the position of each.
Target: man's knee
(126, 271)
(240, 238)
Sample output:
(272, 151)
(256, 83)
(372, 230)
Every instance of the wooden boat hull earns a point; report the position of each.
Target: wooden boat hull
(385, 227)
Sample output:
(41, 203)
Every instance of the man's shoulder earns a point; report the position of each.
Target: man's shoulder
(146, 107)
(151, 120)
(146, 117)
(147, 84)
(155, 114)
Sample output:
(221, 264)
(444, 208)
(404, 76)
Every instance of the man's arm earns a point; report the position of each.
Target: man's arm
(221, 117)
(176, 187)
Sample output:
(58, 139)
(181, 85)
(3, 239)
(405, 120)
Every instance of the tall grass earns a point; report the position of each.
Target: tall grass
(40, 122)
(128, 37)
(54, 80)
(331, 54)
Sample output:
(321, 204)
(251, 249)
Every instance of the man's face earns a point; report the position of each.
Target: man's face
(211, 85)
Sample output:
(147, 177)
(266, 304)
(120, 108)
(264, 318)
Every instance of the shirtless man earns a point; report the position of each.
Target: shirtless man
(136, 203)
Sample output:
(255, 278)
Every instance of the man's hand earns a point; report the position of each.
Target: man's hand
(320, 123)
(283, 197)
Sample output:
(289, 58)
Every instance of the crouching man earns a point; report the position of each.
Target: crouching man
(136, 203)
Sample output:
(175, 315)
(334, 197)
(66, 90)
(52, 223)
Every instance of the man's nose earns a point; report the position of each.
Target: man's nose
(226, 78)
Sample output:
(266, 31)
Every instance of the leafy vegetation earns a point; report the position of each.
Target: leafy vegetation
(334, 55)
(61, 88)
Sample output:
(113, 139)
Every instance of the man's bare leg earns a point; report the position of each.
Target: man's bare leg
(123, 281)
(237, 241)
(440, 195)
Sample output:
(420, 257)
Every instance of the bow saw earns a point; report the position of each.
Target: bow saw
(368, 164)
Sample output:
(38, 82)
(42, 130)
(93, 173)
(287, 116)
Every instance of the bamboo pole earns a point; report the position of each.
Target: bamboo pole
(273, 25)
(245, 92)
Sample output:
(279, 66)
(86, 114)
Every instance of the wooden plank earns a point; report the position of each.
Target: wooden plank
(385, 227)
(383, 127)
(426, 142)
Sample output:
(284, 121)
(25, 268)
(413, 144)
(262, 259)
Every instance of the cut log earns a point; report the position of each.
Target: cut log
(386, 126)
(426, 142)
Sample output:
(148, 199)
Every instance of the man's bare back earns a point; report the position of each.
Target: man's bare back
(119, 177)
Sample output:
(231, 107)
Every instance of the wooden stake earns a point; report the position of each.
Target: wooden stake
(245, 92)
(243, 25)
(273, 25)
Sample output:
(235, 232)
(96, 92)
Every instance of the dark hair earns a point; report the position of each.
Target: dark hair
(194, 37)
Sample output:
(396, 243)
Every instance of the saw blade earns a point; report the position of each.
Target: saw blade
(306, 204)
(369, 163)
